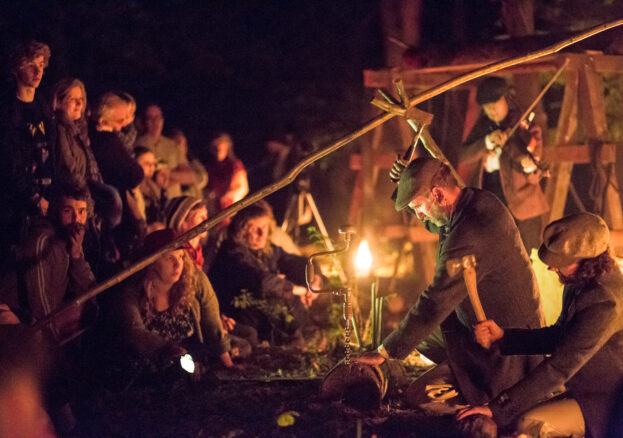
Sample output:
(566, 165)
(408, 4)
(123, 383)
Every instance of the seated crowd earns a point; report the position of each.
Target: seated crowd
(86, 193)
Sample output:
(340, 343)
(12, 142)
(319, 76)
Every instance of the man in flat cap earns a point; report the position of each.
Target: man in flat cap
(470, 222)
(490, 160)
(585, 345)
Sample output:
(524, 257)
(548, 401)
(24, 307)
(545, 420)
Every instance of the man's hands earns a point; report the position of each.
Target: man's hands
(487, 332)
(397, 169)
(496, 139)
(76, 236)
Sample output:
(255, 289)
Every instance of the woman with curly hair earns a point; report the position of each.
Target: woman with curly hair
(164, 312)
(584, 347)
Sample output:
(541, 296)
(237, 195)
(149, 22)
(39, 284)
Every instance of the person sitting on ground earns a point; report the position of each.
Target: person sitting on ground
(49, 267)
(258, 283)
(166, 150)
(585, 346)
(227, 181)
(182, 214)
(164, 311)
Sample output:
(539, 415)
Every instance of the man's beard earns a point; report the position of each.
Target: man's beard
(69, 229)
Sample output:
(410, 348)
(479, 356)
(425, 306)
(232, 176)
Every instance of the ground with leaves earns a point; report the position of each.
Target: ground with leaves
(275, 395)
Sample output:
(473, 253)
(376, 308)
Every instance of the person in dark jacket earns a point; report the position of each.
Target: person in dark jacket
(76, 162)
(27, 145)
(50, 268)
(120, 170)
(258, 283)
(490, 160)
(471, 222)
(585, 346)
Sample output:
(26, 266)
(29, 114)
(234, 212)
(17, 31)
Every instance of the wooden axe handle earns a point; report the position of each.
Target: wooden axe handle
(469, 274)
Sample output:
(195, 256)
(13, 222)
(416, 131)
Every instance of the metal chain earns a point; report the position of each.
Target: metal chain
(348, 314)
(347, 343)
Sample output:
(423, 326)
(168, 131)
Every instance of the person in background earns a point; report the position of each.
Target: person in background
(128, 133)
(490, 160)
(166, 150)
(27, 145)
(119, 169)
(164, 313)
(151, 189)
(584, 347)
(201, 175)
(76, 163)
(227, 181)
(259, 284)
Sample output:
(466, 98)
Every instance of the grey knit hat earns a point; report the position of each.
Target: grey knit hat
(572, 238)
(177, 209)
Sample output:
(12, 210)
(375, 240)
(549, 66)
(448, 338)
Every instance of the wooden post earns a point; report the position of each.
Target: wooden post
(593, 110)
(558, 184)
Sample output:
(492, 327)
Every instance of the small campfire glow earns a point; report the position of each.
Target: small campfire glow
(363, 260)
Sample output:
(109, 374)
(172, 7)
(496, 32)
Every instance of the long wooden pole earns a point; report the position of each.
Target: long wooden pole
(294, 172)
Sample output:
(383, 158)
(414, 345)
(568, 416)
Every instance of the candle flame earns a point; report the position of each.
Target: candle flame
(363, 261)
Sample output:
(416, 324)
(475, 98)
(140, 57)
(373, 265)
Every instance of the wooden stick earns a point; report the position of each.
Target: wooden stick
(294, 172)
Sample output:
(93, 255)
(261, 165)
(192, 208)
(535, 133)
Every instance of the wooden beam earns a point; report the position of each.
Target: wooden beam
(558, 185)
(430, 76)
(575, 154)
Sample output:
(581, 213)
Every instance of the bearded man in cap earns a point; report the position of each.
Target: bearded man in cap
(585, 345)
(470, 222)
(490, 160)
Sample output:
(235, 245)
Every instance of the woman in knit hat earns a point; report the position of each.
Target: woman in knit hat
(585, 346)
(182, 214)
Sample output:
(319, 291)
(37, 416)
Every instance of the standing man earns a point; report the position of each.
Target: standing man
(490, 160)
(27, 145)
(470, 221)
(166, 150)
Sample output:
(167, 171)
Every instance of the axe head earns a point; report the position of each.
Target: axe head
(454, 266)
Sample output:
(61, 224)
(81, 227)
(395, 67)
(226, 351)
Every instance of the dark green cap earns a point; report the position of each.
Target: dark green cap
(416, 179)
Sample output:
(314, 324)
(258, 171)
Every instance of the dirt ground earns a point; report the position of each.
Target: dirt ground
(277, 395)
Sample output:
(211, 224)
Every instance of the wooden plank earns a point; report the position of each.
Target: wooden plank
(594, 109)
(431, 76)
(558, 185)
(575, 154)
